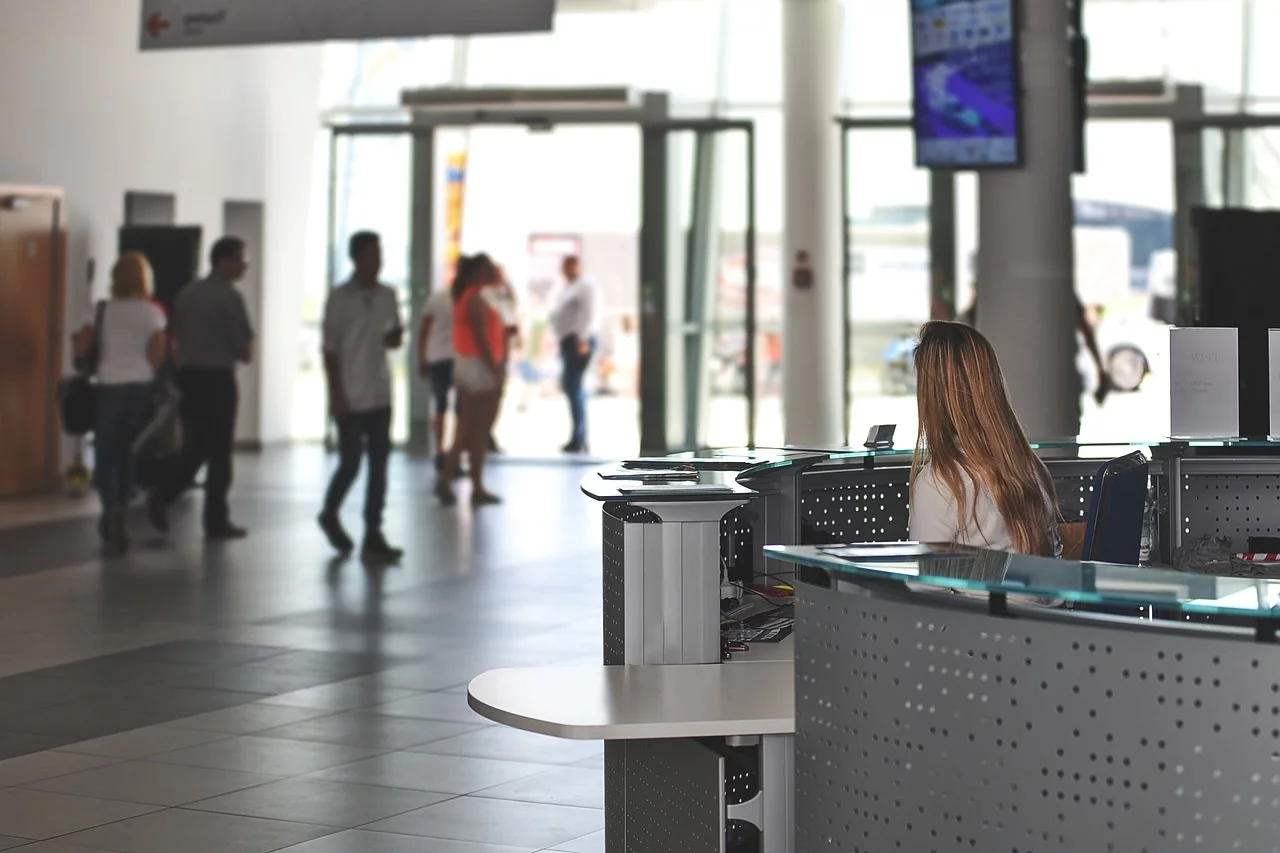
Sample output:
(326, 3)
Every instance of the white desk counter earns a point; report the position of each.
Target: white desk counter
(641, 702)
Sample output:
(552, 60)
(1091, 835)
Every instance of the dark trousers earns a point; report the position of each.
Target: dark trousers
(572, 381)
(209, 402)
(359, 432)
(122, 415)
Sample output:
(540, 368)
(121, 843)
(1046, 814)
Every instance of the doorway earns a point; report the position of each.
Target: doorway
(670, 243)
(31, 340)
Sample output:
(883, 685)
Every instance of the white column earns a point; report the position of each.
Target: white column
(812, 354)
(1026, 260)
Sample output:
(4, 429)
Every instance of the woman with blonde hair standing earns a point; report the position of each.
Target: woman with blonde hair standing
(975, 479)
(126, 349)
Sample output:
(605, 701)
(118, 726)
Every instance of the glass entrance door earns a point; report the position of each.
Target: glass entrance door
(664, 221)
(698, 286)
(887, 275)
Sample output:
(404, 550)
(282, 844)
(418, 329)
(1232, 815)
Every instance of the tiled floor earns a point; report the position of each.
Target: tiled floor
(264, 696)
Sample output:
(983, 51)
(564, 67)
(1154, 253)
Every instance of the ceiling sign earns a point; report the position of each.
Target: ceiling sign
(218, 23)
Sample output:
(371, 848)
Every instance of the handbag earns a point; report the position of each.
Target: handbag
(77, 394)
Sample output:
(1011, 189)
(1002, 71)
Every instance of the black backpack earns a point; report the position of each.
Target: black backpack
(78, 393)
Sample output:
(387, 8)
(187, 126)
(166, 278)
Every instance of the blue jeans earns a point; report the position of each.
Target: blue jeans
(571, 380)
(360, 433)
(123, 411)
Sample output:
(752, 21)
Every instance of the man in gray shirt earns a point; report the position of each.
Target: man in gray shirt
(212, 334)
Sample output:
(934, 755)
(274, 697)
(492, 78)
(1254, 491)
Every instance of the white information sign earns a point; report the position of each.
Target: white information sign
(1204, 383)
(213, 23)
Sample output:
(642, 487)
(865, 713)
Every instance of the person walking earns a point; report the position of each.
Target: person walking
(573, 318)
(211, 334)
(435, 362)
(125, 346)
(361, 323)
(480, 341)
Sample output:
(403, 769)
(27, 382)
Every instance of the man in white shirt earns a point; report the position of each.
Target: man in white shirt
(573, 319)
(361, 322)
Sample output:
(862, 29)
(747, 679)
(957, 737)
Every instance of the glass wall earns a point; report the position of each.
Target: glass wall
(724, 56)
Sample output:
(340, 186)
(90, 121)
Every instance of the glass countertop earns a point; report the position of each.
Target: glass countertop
(959, 568)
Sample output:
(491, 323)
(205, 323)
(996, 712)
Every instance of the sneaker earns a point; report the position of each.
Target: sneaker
(227, 533)
(485, 499)
(337, 536)
(375, 547)
(444, 492)
(158, 511)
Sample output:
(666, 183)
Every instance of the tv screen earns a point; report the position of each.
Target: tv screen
(966, 88)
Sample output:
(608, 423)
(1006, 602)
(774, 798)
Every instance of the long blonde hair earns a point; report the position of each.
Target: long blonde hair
(131, 277)
(967, 425)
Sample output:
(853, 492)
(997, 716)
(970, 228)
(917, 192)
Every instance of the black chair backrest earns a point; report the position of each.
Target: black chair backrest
(1113, 533)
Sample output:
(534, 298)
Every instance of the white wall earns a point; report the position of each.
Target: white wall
(83, 109)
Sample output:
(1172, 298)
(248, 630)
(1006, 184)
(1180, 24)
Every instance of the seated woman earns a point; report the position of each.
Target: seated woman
(975, 479)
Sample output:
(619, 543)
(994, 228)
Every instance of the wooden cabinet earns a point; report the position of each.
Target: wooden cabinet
(32, 282)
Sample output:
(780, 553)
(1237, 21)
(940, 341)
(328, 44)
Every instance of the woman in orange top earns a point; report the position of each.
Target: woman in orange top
(480, 361)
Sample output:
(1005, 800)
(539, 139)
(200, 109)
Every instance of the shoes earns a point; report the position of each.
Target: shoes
(375, 547)
(485, 499)
(574, 447)
(158, 511)
(337, 536)
(115, 536)
(444, 492)
(227, 533)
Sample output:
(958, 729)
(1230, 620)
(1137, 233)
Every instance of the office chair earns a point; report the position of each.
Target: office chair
(1113, 530)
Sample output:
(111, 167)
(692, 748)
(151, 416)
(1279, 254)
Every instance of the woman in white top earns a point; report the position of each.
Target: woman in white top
(131, 348)
(975, 479)
(435, 361)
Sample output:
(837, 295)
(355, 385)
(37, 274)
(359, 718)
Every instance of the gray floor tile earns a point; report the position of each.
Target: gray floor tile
(496, 822)
(341, 697)
(448, 774)
(270, 756)
(13, 744)
(593, 843)
(261, 682)
(141, 743)
(40, 815)
(507, 744)
(8, 842)
(196, 832)
(151, 783)
(434, 706)
(204, 652)
(247, 719)
(361, 728)
(46, 765)
(362, 841)
(55, 847)
(593, 761)
(564, 786)
(313, 801)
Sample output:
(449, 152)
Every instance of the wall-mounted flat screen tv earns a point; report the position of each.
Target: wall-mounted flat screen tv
(967, 93)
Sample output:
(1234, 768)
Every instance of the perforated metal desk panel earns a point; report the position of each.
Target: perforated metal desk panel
(931, 721)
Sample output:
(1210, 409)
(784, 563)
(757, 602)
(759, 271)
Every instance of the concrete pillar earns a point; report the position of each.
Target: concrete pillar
(1026, 260)
(812, 352)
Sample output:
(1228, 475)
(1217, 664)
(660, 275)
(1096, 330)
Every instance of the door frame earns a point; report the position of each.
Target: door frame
(55, 318)
(649, 112)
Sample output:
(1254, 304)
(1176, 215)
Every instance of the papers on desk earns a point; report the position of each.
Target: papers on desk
(657, 474)
(670, 488)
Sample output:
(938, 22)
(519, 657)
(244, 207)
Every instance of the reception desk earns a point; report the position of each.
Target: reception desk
(964, 701)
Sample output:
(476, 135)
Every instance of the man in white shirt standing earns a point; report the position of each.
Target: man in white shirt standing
(573, 319)
(361, 323)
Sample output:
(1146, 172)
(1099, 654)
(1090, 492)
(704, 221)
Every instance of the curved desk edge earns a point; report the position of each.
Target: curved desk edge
(640, 702)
